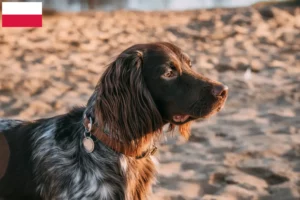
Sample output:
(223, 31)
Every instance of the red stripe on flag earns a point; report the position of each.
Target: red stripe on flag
(22, 20)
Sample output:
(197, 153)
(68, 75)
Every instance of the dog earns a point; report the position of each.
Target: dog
(105, 150)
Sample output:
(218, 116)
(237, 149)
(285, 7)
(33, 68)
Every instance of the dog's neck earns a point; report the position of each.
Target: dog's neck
(131, 150)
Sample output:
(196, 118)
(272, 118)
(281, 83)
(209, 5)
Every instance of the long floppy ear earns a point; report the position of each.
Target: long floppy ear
(124, 105)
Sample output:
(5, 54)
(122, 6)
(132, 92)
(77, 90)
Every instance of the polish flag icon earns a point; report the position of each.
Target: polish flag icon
(22, 14)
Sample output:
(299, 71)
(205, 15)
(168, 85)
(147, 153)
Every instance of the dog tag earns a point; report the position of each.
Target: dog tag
(88, 144)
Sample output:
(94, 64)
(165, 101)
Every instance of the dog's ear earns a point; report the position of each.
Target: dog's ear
(124, 105)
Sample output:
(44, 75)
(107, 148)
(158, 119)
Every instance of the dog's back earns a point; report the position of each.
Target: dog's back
(6, 124)
(15, 170)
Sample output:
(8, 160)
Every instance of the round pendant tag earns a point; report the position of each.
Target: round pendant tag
(88, 144)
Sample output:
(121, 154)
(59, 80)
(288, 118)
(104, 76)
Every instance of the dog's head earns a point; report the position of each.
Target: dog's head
(149, 85)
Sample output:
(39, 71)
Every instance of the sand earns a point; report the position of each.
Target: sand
(250, 150)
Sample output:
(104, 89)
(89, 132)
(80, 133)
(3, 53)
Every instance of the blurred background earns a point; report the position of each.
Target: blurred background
(248, 151)
(108, 5)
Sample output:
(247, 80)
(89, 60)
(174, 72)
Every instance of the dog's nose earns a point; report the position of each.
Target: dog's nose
(219, 90)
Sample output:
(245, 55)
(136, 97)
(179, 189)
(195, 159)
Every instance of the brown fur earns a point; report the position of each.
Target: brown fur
(126, 107)
(139, 178)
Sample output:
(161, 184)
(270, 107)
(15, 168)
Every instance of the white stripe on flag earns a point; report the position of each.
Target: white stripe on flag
(22, 8)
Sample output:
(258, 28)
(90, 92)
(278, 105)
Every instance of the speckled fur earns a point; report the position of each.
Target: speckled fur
(6, 124)
(62, 169)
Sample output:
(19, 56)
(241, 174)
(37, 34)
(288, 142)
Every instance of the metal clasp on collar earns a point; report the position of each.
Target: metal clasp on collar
(88, 129)
(88, 141)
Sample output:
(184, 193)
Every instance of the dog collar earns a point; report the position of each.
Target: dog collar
(113, 143)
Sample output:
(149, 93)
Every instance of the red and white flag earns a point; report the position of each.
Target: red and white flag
(22, 14)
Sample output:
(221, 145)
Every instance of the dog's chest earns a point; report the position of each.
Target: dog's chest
(139, 176)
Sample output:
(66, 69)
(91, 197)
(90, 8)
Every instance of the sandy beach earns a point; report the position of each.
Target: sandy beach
(248, 151)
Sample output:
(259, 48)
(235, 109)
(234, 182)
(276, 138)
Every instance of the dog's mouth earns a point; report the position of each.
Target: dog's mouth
(180, 118)
(183, 118)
